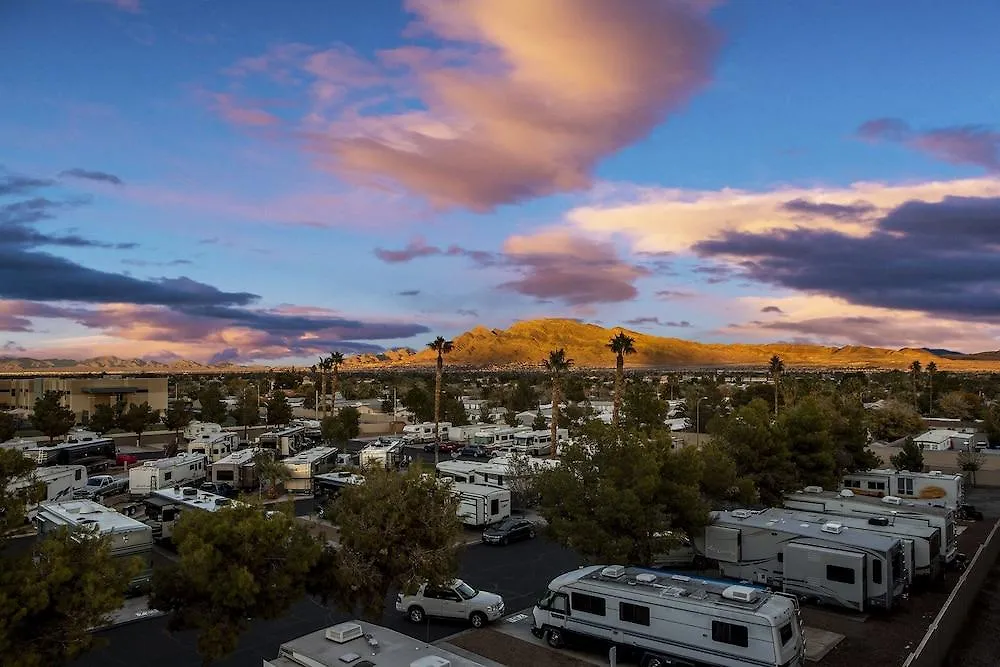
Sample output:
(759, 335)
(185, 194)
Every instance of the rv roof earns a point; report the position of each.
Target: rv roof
(859, 522)
(87, 512)
(240, 457)
(310, 455)
(904, 473)
(905, 505)
(200, 499)
(174, 460)
(463, 487)
(782, 520)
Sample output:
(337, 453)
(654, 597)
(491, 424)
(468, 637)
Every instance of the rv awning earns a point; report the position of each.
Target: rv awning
(113, 390)
(157, 501)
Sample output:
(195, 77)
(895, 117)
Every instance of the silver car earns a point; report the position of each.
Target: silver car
(458, 600)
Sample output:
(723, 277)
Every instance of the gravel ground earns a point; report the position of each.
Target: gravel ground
(511, 651)
(888, 639)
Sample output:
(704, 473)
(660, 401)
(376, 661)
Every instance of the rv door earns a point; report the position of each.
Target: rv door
(722, 544)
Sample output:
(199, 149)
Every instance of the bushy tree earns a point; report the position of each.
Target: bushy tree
(849, 433)
(721, 482)
(971, 460)
(342, 426)
(453, 410)
(51, 417)
(247, 410)
(270, 471)
(104, 418)
(236, 564)
(957, 405)
(396, 531)
(8, 426)
(642, 409)
(16, 489)
(178, 417)
(213, 410)
(510, 419)
(138, 418)
(807, 429)
(420, 403)
(485, 417)
(278, 409)
(893, 421)
(539, 423)
(910, 457)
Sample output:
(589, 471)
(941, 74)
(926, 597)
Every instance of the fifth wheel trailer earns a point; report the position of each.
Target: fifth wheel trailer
(166, 473)
(239, 469)
(850, 568)
(480, 505)
(926, 488)
(59, 482)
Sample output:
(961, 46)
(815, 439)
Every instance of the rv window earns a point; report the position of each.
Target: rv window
(167, 476)
(786, 633)
(633, 613)
(730, 633)
(224, 475)
(841, 575)
(556, 602)
(79, 474)
(168, 515)
(781, 556)
(876, 486)
(495, 506)
(876, 571)
(588, 604)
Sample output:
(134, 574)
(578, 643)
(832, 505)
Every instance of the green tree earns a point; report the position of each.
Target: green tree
(178, 417)
(991, 423)
(335, 360)
(213, 410)
(342, 426)
(247, 410)
(16, 489)
(539, 423)
(915, 382)
(642, 409)
(893, 421)
(235, 564)
(271, 472)
(453, 410)
(557, 365)
(957, 405)
(758, 447)
(441, 347)
(523, 397)
(807, 429)
(721, 481)
(971, 460)
(325, 364)
(776, 368)
(138, 418)
(278, 409)
(51, 417)
(104, 419)
(396, 531)
(910, 457)
(510, 418)
(931, 372)
(618, 494)
(622, 346)
(8, 426)
(420, 403)
(849, 433)
(52, 598)
(485, 415)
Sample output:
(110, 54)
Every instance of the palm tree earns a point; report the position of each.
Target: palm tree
(557, 364)
(335, 359)
(621, 345)
(324, 365)
(931, 370)
(775, 368)
(915, 377)
(442, 347)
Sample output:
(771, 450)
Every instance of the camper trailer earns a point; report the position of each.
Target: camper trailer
(480, 505)
(196, 429)
(332, 483)
(464, 434)
(415, 434)
(239, 469)
(306, 465)
(65, 453)
(216, 446)
(60, 483)
(464, 472)
(824, 561)
(538, 443)
(928, 488)
(165, 473)
(497, 437)
(845, 503)
(164, 507)
(382, 453)
(671, 619)
(286, 442)
(128, 538)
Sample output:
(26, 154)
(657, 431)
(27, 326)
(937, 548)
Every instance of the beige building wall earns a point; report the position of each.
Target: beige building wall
(83, 395)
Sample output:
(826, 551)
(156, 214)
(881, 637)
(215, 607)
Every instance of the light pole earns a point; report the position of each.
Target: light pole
(697, 419)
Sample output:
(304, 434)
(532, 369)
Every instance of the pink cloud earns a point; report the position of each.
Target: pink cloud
(962, 144)
(414, 249)
(233, 111)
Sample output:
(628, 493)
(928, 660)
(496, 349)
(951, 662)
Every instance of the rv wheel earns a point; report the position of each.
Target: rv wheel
(554, 638)
(415, 614)
(504, 541)
(531, 534)
(654, 661)
(478, 619)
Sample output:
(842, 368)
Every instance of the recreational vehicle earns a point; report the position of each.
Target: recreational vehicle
(164, 507)
(824, 561)
(480, 505)
(196, 429)
(332, 483)
(58, 482)
(312, 427)
(416, 434)
(216, 446)
(239, 469)
(929, 488)
(286, 442)
(386, 454)
(165, 473)
(464, 472)
(128, 538)
(538, 443)
(305, 465)
(670, 619)
(495, 438)
(845, 503)
(464, 434)
(65, 453)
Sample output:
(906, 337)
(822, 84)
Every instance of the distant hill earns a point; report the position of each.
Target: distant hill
(103, 364)
(526, 343)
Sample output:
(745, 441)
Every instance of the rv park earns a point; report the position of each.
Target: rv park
(884, 567)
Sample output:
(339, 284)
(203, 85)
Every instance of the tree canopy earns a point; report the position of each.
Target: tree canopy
(343, 426)
(909, 457)
(51, 417)
(278, 409)
(16, 489)
(138, 418)
(104, 418)
(893, 421)
(212, 408)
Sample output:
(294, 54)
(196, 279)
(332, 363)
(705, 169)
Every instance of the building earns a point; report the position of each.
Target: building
(941, 439)
(83, 394)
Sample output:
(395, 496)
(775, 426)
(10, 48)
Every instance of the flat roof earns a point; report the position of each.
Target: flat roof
(240, 457)
(173, 461)
(903, 507)
(200, 499)
(860, 523)
(777, 519)
(87, 512)
(394, 650)
(310, 455)
(113, 390)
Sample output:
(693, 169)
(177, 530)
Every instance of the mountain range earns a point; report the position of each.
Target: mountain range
(526, 343)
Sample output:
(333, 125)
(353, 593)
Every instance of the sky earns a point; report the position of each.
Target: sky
(264, 181)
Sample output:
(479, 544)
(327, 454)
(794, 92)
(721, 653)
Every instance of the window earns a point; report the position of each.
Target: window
(781, 556)
(556, 602)
(167, 476)
(786, 633)
(876, 571)
(494, 507)
(79, 474)
(224, 475)
(633, 613)
(876, 486)
(588, 604)
(730, 633)
(841, 575)
(904, 486)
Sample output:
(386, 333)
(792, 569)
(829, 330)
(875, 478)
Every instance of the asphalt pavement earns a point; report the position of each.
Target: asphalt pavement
(519, 572)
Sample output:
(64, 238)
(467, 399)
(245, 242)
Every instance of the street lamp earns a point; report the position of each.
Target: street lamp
(697, 419)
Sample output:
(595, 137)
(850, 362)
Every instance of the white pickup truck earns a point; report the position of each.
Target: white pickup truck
(102, 486)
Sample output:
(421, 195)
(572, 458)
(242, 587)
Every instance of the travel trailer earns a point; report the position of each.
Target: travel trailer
(312, 427)
(332, 483)
(128, 538)
(59, 483)
(415, 434)
(464, 472)
(538, 443)
(65, 453)
(671, 619)
(495, 438)
(480, 505)
(846, 503)
(165, 473)
(215, 446)
(286, 442)
(305, 465)
(196, 428)
(164, 507)
(929, 488)
(382, 453)
(824, 561)
(464, 434)
(238, 470)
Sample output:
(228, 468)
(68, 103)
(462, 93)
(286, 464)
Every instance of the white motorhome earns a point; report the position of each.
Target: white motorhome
(216, 446)
(464, 434)
(166, 473)
(164, 507)
(420, 433)
(306, 465)
(538, 443)
(933, 488)
(238, 469)
(480, 505)
(494, 438)
(286, 442)
(846, 503)
(464, 472)
(128, 538)
(381, 453)
(851, 568)
(59, 482)
(670, 619)
(196, 428)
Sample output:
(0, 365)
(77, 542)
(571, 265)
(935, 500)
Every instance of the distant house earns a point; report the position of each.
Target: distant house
(942, 439)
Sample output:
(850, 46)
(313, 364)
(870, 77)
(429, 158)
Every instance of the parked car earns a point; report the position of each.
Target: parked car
(443, 447)
(509, 530)
(457, 600)
(220, 489)
(126, 459)
(477, 451)
(102, 486)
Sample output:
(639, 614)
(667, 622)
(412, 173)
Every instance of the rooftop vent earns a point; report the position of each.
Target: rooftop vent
(646, 578)
(675, 591)
(431, 661)
(878, 521)
(613, 572)
(741, 593)
(343, 632)
(935, 472)
(892, 500)
(680, 577)
(742, 514)
(813, 489)
(832, 527)
(188, 492)
(846, 493)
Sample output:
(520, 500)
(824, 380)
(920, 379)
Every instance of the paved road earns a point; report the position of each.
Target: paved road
(519, 572)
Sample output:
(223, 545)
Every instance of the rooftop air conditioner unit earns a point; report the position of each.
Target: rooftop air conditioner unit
(892, 500)
(878, 521)
(846, 493)
(832, 527)
(431, 661)
(613, 572)
(646, 578)
(813, 489)
(742, 514)
(935, 472)
(344, 632)
(188, 492)
(741, 593)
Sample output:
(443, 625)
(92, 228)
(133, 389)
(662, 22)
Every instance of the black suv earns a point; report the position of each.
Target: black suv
(509, 530)
(478, 451)
(220, 489)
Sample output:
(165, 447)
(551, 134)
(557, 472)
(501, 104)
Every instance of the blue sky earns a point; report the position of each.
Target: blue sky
(217, 180)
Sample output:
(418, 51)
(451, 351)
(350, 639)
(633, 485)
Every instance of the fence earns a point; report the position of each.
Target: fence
(933, 648)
